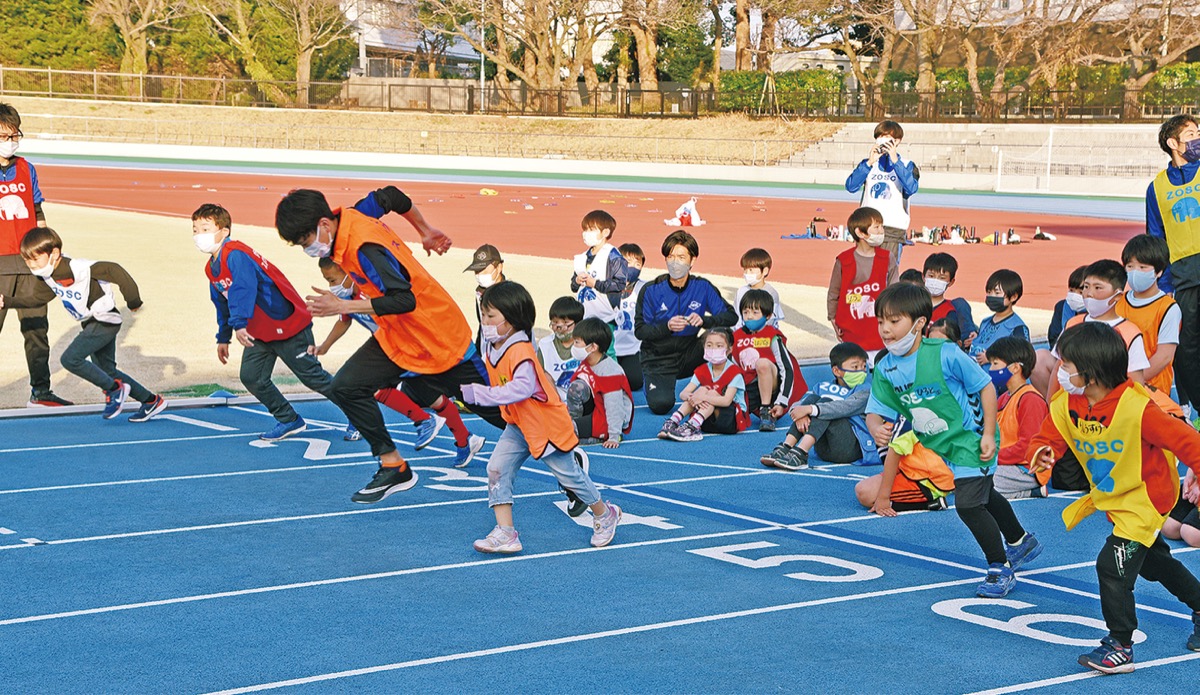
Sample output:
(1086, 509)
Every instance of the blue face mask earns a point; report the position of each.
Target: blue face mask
(1000, 378)
(631, 275)
(1142, 280)
(753, 325)
(1192, 153)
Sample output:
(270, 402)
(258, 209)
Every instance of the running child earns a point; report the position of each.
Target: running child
(859, 275)
(774, 376)
(538, 423)
(86, 290)
(715, 399)
(601, 273)
(599, 398)
(1153, 311)
(1129, 446)
(1004, 289)
(756, 266)
(625, 342)
(1022, 409)
(951, 404)
(554, 350)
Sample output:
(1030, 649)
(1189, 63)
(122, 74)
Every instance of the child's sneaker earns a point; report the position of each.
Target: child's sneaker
(668, 427)
(387, 481)
(576, 506)
(604, 528)
(766, 423)
(427, 430)
(465, 454)
(283, 430)
(114, 398)
(687, 432)
(149, 410)
(777, 453)
(500, 542)
(1193, 642)
(1110, 657)
(1000, 580)
(1024, 552)
(796, 459)
(47, 399)
(352, 434)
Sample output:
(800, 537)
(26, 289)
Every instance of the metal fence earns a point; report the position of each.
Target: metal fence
(674, 101)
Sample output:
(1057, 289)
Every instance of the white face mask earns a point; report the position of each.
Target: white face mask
(45, 271)
(936, 287)
(874, 240)
(485, 280)
(318, 248)
(715, 355)
(1099, 307)
(1075, 301)
(579, 353)
(8, 149)
(901, 347)
(593, 237)
(751, 278)
(207, 243)
(1064, 380)
(341, 291)
(490, 334)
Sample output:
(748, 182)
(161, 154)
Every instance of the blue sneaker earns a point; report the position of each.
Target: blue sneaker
(1000, 580)
(149, 410)
(283, 430)
(465, 454)
(1024, 552)
(1110, 657)
(427, 430)
(1193, 642)
(114, 398)
(352, 434)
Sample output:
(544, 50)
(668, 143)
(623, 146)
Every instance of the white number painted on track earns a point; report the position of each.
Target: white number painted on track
(1021, 624)
(317, 449)
(627, 519)
(725, 553)
(456, 476)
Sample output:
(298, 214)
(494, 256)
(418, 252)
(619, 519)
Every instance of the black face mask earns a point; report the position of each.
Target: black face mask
(995, 304)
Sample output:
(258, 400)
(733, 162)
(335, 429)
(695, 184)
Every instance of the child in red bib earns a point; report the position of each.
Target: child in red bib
(715, 399)
(598, 397)
(760, 348)
(859, 275)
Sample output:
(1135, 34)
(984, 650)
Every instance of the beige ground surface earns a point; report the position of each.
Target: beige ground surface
(169, 344)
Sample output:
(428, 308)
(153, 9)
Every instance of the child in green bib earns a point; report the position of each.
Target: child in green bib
(951, 403)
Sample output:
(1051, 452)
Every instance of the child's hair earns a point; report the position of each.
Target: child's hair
(757, 299)
(215, 213)
(913, 277)
(891, 129)
(861, 219)
(1109, 271)
(599, 219)
(846, 351)
(1013, 350)
(941, 263)
(902, 299)
(1172, 128)
(298, 213)
(10, 117)
(756, 258)
(680, 237)
(1077, 276)
(1008, 281)
(513, 302)
(950, 328)
(632, 250)
(594, 330)
(1148, 249)
(325, 263)
(40, 240)
(721, 331)
(566, 308)
(1097, 351)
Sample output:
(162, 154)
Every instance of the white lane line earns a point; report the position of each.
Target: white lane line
(1046, 682)
(675, 461)
(198, 423)
(377, 575)
(6, 532)
(135, 442)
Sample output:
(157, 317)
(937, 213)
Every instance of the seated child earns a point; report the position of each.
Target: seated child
(600, 272)
(625, 344)
(715, 399)
(830, 418)
(1022, 409)
(1183, 523)
(775, 380)
(554, 350)
(1004, 289)
(598, 398)
(939, 272)
(1154, 312)
(756, 266)
(923, 481)
(86, 290)
(1065, 310)
(946, 329)
(913, 277)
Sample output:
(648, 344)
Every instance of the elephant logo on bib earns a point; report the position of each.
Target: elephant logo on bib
(1184, 210)
(881, 191)
(13, 208)
(925, 421)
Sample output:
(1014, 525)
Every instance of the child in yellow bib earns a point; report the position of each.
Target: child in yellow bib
(1126, 445)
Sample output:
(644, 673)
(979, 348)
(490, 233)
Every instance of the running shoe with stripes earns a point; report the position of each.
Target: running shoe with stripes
(1110, 657)
(149, 409)
(465, 454)
(387, 481)
(777, 453)
(687, 432)
(114, 398)
(999, 581)
(427, 430)
(1024, 552)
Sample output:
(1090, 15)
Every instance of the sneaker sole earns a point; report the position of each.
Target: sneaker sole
(499, 551)
(438, 423)
(982, 594)
(783, 466)
(584, 461)
(767, 461)
(285, 435)
(125, 388)
(154, 411)
(1123, 668)
(379, 496)
(474, 444)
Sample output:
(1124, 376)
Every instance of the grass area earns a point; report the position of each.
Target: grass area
(722, 139)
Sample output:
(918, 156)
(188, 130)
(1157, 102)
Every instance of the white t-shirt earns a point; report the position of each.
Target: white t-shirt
(1168, 331)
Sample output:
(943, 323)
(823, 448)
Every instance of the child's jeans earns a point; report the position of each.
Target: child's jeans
(98, 341)
(512, 450)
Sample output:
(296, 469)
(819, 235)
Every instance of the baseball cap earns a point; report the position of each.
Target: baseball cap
(484, 256)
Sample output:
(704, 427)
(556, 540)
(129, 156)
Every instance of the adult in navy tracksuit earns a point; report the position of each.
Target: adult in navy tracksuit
(670, 313)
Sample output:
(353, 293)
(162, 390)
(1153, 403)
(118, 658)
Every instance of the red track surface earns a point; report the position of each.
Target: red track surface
(550, 225)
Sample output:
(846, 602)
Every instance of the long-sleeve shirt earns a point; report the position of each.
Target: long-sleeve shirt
(850, 406)
(1184, 272)
(907, 175)
(615, 281)
(618, 409)
(249, 288)
(660, 301)
(101, 271)
(862, 272)
(523, 385)
(1032, 411)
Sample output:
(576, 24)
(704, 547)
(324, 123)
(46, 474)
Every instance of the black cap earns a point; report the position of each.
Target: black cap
(484, 256)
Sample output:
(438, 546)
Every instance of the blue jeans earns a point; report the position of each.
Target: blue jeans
(512, 450)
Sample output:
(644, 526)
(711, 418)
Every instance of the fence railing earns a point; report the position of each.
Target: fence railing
(1038, 105)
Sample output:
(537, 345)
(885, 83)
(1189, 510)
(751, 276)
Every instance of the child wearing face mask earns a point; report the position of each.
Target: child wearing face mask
(774, 378)
(1004, 290)
(554, 350)
(1103, 282)
(488, 267)
(1022, 409)
(715, 399)
(538, 424)
(1150, 309)
(887, 181)
(601, 273)
(86, 290)
(625, 342)
(938, 276)
(859, 275)
(951, 404)
(599, 398)
(1069, 307)
(756, 266)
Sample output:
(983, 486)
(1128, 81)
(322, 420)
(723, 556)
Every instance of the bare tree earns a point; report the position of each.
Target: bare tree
(233, 19)
(315, 24)
(134, 19)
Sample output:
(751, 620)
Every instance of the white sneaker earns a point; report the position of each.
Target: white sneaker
(604, 528)
(500, 541)
(464, 455)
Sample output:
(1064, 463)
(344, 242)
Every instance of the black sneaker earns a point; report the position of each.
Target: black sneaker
(766, 423)
(777, 453)
(796, 459)
(47, 399)
(575, 506)
(387, 481)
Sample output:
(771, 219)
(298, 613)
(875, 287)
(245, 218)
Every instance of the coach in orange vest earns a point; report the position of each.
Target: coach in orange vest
(423, 338)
